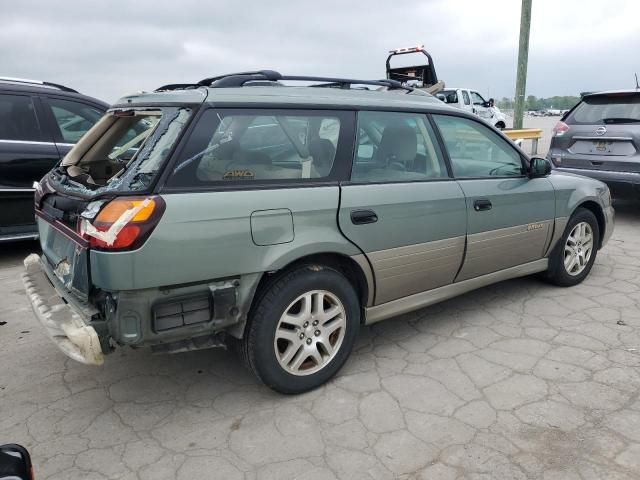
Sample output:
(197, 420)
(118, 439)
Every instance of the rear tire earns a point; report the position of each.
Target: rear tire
(302, 329)
(576, 251)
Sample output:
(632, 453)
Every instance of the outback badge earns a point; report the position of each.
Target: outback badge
(534, 226)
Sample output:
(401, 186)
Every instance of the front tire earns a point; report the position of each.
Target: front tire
(302, 329)
(576, 251)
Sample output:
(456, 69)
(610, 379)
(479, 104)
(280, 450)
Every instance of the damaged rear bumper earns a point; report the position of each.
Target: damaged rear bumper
(67, 326)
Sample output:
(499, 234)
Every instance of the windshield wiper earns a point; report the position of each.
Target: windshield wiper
(620, 120)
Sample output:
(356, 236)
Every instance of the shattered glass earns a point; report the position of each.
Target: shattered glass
(138, 153)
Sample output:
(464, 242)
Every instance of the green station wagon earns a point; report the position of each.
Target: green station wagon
(276, 219)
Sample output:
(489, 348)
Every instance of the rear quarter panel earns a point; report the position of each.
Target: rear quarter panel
(208, 235)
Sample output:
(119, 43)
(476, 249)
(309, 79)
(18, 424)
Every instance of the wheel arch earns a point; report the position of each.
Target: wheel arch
(355, 268)
(595, 208)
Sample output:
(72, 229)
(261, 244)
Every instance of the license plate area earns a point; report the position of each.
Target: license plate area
(68, 259)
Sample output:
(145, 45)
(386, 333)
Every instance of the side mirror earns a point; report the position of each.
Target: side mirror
(539, 167)
(486, 104)
(15, 463)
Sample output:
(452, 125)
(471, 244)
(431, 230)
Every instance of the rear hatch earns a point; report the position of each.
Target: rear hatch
(601, 133)
(102, 186)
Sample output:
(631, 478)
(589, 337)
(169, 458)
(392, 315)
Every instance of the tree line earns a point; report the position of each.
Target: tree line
(534, 103)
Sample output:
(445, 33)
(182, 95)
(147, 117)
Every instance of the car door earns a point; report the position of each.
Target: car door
(27, 152)
(509, 215)
(479, 106)
(466, 100)
(69, 120)
(401, 208)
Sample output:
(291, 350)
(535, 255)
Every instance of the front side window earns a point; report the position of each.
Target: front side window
(267, 145)
(73, 118)
(477, 99)
(18, 119)
(465, 97)
(396, 147)
(475, 150)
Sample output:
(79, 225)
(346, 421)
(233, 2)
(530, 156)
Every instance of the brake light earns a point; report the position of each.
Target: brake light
(123, 223)
(560, 129)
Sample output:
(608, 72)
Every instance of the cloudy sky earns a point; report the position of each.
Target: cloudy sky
(110, 48)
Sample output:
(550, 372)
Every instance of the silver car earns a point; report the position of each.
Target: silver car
(600, 138)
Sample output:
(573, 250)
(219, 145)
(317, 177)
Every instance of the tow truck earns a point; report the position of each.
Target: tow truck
(422, 76)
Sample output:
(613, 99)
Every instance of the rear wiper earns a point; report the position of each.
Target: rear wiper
(620, 120)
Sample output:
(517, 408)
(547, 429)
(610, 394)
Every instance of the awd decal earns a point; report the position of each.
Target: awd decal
(534, 226)
(238, 175)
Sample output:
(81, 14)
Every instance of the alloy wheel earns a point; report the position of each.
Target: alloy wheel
(578, 249)
(310, 332)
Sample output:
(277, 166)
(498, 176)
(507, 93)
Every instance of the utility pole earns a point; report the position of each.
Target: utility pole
(523, 58)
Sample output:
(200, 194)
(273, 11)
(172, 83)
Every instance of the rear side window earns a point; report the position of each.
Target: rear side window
(606, 109)
(475, 150)
(259, 145)
(448, 96)
(396, 147)
(73, 118)
(18, 119)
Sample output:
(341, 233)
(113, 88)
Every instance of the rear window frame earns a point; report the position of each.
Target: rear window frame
(339, 173)
(156, 180)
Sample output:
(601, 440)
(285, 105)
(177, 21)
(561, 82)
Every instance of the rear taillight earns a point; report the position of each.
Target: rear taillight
(560, 129)
(123, 223)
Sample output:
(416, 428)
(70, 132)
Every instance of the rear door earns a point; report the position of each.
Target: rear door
(27, 152)
(401, 208)
(466, 100)
(603, 134)
(509, 216)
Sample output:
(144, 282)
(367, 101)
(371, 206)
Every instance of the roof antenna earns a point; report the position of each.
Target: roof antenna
(637, 85)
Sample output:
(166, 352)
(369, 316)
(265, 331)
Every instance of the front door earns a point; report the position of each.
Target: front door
(509, 216)
(479, 107)
(401, 208)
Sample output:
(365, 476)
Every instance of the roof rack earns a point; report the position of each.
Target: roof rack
(26, 81)
(270, 77)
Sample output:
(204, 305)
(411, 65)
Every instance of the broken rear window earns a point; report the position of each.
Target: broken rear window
(123, 152)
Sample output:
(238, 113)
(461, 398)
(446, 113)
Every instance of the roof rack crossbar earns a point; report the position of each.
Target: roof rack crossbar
(347, 82)
(27, 81)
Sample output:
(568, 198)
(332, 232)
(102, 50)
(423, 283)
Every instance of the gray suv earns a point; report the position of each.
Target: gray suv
(600, 138)
(277, 219)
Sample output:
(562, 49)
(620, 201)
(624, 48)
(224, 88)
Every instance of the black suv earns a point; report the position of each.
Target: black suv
(39, 123)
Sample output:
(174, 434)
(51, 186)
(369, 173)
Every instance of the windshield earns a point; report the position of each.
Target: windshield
(124, 151)
(603, 109)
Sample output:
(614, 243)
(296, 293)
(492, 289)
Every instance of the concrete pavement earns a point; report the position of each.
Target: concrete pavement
(520, 380)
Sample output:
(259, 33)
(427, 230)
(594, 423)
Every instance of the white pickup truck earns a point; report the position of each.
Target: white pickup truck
(472, 101)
